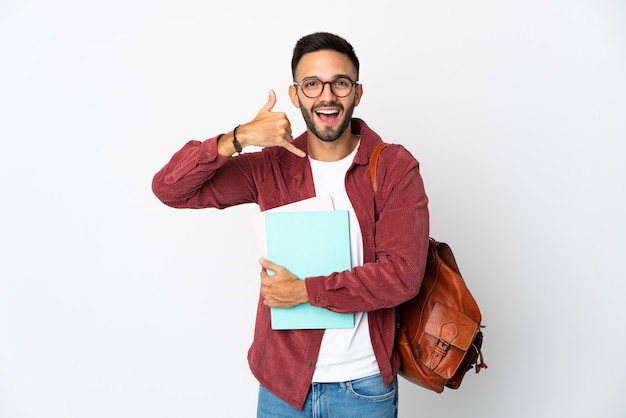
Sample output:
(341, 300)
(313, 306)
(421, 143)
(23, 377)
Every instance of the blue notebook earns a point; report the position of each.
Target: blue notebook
(309, 243)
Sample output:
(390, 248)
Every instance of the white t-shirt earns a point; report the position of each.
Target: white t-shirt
(345, 354)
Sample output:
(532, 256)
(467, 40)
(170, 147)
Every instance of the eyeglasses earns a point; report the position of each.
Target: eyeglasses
(313, 87)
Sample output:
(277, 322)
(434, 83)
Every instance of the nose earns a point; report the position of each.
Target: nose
(327, 92)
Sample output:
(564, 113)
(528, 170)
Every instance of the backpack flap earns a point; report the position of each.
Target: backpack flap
(448, 335)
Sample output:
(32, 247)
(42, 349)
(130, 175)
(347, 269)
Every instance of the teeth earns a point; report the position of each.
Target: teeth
(328, 112)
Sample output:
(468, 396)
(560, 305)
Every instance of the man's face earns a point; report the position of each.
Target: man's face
(327, 116)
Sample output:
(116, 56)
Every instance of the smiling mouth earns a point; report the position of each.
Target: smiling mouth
(327, 115)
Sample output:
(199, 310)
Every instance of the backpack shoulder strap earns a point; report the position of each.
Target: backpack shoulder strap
(373, 166)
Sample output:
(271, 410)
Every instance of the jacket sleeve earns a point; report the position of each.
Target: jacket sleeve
(401, 243)
(198, 177)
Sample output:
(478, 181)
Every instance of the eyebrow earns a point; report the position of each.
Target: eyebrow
(334, 78)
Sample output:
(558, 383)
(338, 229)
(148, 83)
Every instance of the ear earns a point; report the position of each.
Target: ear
(293, 95)
(358, 94)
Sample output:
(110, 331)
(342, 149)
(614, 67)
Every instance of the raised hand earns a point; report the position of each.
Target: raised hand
(268, 129)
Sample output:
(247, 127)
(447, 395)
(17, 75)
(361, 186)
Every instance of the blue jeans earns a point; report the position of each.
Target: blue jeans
(360, 398)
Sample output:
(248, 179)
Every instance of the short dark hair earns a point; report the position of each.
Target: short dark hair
(322, 41)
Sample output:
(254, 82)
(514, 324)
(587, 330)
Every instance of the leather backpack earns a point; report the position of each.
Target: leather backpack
(438, 333)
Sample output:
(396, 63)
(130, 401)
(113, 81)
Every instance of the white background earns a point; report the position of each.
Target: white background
(114, 305)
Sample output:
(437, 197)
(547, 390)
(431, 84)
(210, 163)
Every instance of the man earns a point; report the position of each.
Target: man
(312, 373)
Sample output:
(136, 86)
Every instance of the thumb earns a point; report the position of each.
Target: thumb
(268, 265)
(271, 101)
